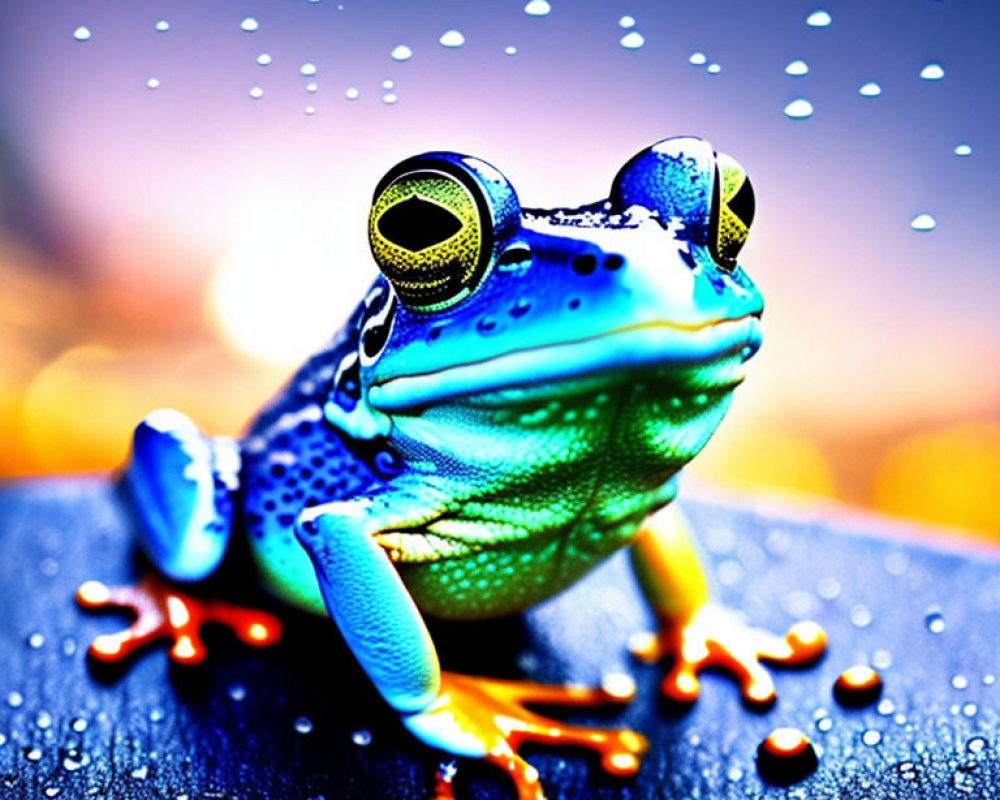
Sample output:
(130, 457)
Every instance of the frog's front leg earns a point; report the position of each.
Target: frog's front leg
(464, 715)
(698, 633)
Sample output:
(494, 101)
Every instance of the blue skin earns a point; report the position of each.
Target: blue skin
(604, 341)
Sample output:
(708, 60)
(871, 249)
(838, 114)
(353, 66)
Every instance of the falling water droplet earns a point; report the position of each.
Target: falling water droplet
(713, 68)
(870, 89)
(932, 72)
(352, 93)
(452, 38)
(632, 40)
(308, 69)
(963, 149)
(538, 8)
(510, 50)
(626, 21)
(310, 111)
(933, 619)
(256, 92)
(387, 84)
(82, 34)
(401, 53)
(312, 87)
(819, 19)
(389, 98)
(264, 59)
(699, 59)
(923, 223)
(153, 83)
(303, 725)
(162, 26)
(362, 738)
(799, 109)
(249, 24)
(797, 68)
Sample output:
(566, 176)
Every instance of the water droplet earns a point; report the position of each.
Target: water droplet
(43, 719)
(886, 707)
(352, 93)
(308, 69)
(857, 686)
(923, 223)
(303, 725)
(387, 84)
(861, 616)
(452, 38)
(976, 744)
(786, 756)
(401, 53)
(82, 34)
(69, 646)
(713, 68)
(960, 682)
(825, 724)
(871, 737)
(362, 738)
(970, 709)
(162, 26)
(3, 740)
(626, 21)
(71, 764)
(734, 774)
(264, 59)
(907, 770)
(797, 68)
(140, 773)
(819, 19)
(237, 692)
(632, 40)
(79, 724)
(312, 87)
(699, 59)
(156, 715)
(256, 93)
(153, 83)
(389, 98)
(932, 72)
(963, 149)
(828, 588)
(989, 679)
(619, 685)
(35, 641)
(310, 110)
(882, 659)
(538, 8)
(52, 791)
(510, 50)
(249, 24)
(32, 753)
(870, 89)
(799, 109)
(15, 699)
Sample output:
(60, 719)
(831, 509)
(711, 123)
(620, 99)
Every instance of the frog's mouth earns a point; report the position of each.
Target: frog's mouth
(625, 349)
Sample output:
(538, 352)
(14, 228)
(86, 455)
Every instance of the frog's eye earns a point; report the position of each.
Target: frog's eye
(436, 225)
(684, 181)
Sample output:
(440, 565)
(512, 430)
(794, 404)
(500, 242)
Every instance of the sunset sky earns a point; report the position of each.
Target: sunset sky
(183, 205)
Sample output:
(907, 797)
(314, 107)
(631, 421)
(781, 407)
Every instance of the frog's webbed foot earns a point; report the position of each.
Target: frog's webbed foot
(162, 612)
(487, 718)
(716, 637)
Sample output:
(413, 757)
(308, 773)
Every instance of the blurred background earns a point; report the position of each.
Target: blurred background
(184, 190)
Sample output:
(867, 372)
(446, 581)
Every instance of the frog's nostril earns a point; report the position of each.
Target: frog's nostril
(614, 261)
(584, 264)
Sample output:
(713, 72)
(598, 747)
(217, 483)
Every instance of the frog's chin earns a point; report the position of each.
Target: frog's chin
(629, 349)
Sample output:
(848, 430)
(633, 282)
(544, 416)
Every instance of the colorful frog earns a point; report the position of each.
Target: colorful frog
(507, 407)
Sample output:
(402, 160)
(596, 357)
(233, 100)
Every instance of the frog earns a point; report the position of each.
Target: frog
(509, 405)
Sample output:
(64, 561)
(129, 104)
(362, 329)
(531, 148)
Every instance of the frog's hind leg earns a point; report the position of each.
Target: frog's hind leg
(180, 484)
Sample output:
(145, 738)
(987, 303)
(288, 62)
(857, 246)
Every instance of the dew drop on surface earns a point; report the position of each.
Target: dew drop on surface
(857, 686)
(82, 34)
(799, 109)
(162, 26)
(79, 724)
(632, 40)
(153, 83)
(52, 791)
(825, 724)
(35, 641)
(538, 8)
(256, 92)
(976, 744)
(959, 682)
(797, 68)
(734, 774)
(699, 59)
(362, 738)
(871, 738)
(249, 24)
(389, 98)
(713, 69)
(932, 72)
(963, 149)
(870, 89)
(303, 725)
(886, 707)
(923, 223)
(33, 754)
(401, 53)
(352, 93)
(819, 19)
(882, 659)
(626, 21)
(15, 699)
(970, 709)
(308, 69)
(43, 720)
(786, 756)
(989, 679)
(861, 616)
(264, 59)
(452, 38)
(237, 692)
(510, 50)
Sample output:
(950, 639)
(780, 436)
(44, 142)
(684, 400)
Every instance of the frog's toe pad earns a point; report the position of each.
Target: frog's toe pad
(161, 612)
(716, 637)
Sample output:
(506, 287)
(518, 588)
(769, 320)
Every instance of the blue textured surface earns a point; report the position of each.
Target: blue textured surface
(155, 731)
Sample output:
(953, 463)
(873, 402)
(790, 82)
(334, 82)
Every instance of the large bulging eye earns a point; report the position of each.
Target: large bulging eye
(683, 180)
(435, 226)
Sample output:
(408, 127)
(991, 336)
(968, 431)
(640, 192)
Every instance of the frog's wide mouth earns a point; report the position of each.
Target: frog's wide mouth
(625, 349)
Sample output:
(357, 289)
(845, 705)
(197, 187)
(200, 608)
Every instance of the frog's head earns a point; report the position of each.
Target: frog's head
(480, 298)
